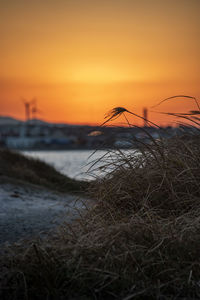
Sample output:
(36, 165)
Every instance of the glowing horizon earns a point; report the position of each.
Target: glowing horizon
(81, 58)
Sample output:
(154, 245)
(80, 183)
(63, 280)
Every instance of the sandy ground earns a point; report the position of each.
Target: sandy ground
(30, 211)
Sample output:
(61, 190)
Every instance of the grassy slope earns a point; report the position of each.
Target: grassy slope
(141, 241)
(17, 166)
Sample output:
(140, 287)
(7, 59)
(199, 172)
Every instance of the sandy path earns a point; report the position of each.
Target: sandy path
(27, 210)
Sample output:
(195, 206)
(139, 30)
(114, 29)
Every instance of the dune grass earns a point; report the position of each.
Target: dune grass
(19, 167)
(140, 241)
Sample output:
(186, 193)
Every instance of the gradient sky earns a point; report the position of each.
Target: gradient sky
(80, 58)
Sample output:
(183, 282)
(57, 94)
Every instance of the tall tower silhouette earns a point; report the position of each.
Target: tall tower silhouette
(145, 116)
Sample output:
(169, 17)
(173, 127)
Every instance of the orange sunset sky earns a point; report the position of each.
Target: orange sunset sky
(81, 58)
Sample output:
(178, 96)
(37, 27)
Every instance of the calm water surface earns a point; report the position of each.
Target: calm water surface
(73, 163)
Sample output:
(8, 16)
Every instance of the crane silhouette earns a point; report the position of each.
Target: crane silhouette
(27, 106)
(31, 109)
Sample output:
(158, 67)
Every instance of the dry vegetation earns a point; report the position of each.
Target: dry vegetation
(19, 167)
(140, 241)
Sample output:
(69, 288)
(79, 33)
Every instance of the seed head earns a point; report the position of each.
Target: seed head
(115, 112)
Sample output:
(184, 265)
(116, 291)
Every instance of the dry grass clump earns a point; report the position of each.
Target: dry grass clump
(164, 177)
(19, 167)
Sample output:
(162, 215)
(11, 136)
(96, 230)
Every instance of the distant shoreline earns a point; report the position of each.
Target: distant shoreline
(70, 149)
